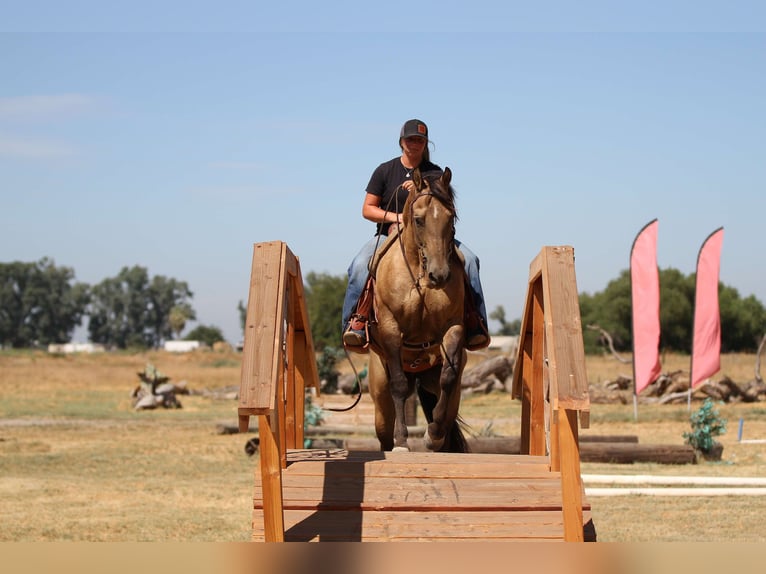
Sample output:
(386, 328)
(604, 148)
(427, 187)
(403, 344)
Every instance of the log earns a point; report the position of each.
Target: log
(500, 368)
(512, 445)
(629, 438)
(590, 451)
(493, 445)
(628, 453)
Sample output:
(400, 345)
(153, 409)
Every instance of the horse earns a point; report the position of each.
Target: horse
(418, 334)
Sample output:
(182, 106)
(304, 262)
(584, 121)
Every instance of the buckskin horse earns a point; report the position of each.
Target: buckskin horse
(418, 335)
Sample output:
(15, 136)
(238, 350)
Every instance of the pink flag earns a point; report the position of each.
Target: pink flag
(645, 293)
(706, 347)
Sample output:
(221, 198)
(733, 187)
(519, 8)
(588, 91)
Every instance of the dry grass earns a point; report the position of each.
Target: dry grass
(78, 464)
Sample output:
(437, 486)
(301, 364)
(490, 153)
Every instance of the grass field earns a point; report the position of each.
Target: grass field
(77, 463)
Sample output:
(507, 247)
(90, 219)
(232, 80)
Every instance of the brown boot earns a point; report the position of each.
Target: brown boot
(355, 334)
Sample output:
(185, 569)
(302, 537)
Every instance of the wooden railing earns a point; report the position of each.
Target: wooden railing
(278, 364)
(549, 376)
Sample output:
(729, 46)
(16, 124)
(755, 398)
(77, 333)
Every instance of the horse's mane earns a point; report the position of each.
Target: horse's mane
(446, 195)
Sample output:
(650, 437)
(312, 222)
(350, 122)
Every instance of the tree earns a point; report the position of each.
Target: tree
(39, 303)
(242, 310)
(165, 294)
(130, 310)
(178, 317)
(206, 334)
(742, 320)
(506, 329)
(324, 301)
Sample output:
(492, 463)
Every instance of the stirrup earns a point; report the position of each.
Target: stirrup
(355, 336)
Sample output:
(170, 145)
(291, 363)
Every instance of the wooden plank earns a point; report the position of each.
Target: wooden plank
(571, 483)
(524, 348)
(525, 376)
(410, 457)
(307, 368)
(537, 446)
(264, 314)
(422, 471)
(566, 350)
(287, 390)
(375, 493)
(270, 487)
(389, 526)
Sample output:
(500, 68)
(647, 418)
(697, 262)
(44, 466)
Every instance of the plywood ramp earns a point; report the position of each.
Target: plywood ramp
(362, 496)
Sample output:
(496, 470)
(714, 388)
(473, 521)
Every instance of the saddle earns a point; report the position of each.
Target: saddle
(419, 356)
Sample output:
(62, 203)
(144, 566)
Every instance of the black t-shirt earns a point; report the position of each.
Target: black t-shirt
(386, 183)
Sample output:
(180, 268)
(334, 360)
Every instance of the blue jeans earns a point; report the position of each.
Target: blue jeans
(358, 272)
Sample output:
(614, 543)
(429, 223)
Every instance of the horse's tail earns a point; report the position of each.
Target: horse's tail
(455, 440)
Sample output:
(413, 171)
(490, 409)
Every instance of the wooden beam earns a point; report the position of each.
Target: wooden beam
(571, 481)
(263, 321)
(271, 478)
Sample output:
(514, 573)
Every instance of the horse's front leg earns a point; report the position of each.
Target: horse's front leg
(446, 410)
(400, 391)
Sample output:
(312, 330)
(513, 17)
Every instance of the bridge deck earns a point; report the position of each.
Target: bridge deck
(340, 495)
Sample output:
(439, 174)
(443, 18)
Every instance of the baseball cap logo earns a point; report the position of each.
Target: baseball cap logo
(422, 129)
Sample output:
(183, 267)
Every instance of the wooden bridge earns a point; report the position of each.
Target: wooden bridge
(340, 495)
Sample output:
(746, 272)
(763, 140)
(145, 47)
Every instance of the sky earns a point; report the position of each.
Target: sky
(176, 135)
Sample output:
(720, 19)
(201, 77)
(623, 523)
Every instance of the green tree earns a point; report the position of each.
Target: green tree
(130, 310)
(39, 303)
(206, 334)
(164, 295)
(506, 328)
(324, 301)
(242, 310)
(611, 310)
(178, 317)
(743, 321)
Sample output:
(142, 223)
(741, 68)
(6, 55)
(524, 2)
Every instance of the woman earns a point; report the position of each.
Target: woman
(383, 204)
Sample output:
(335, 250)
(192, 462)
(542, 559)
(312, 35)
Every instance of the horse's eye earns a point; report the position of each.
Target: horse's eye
(420, 222)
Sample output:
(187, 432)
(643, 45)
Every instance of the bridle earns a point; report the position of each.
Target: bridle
(422, 255)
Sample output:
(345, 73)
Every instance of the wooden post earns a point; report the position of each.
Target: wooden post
(537, 401)
(271, 479)
(571, 481)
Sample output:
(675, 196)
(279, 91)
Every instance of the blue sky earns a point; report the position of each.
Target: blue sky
(175, 135)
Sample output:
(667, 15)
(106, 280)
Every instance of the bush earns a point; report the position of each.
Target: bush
(706, 424)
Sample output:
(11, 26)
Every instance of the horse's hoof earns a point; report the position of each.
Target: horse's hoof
(400, 449)
(433, 445)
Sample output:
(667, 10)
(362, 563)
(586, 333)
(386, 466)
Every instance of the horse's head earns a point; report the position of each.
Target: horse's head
(429, 218)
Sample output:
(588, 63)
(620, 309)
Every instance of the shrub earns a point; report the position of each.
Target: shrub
(706, 424)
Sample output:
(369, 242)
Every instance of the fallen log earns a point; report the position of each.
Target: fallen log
(493, 445)
(624, 450)
(628, 453)
(495, 369)
(631, 438)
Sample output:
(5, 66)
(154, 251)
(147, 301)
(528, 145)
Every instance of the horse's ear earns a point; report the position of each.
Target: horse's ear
(447, 177)
(417, 179)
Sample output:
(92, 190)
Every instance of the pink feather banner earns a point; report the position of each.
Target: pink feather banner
(706, 342)
(645, 296)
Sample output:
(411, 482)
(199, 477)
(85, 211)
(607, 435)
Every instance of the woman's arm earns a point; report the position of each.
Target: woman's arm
(372, 211)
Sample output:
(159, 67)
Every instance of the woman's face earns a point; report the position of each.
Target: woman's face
(413, 145)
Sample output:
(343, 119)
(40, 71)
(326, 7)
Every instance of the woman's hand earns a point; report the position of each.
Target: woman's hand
(409, 185)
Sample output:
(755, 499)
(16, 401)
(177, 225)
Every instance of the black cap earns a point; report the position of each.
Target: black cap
(414, 128)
